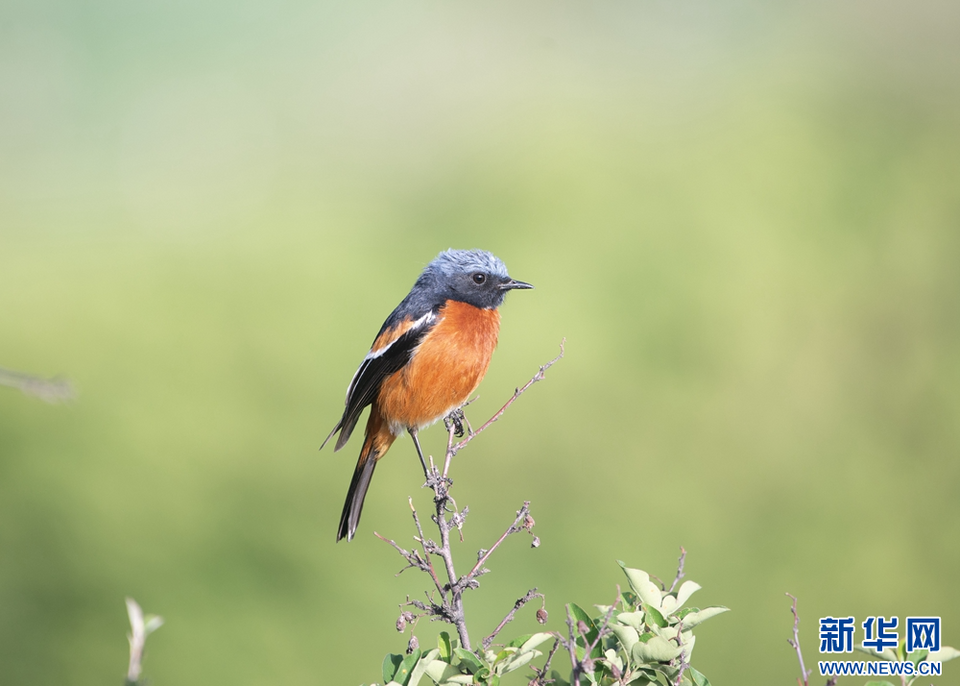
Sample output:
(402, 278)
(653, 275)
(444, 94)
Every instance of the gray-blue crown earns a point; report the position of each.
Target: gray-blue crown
(451, 262)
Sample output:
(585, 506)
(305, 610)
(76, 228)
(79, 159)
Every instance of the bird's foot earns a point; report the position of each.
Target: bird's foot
(455, 419)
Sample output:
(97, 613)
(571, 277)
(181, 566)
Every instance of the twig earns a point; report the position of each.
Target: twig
(55, 390)
(427, 546)
(683, 658)
(571, 646)
(795, 643)
(522, 514)
(541, 673)
(539, 376)
(530, 595)
(602, 631)
(683, 557)
(140, 628)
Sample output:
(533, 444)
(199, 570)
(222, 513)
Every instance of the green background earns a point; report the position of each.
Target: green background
(743, 217)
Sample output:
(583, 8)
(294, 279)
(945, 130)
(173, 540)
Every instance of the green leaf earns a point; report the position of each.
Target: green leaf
(443, 643)
(580, 616)
(694, 618)
(421, 667)
(390, 665)
(611, 658)
(441, 672)
(945, 653)
(668, 604)
(698, 678)
(517, 660)
(468, 660)
(662, 678)
(627, 636)
(640, 583)
(653, 648)
(878, 683)
(631, 619)
(917, 656)
(886, 654)
(687, 589)
(535, 640)
(518, 641)
(654, 616)
(402, 675)
(151, 623)
(501, 656)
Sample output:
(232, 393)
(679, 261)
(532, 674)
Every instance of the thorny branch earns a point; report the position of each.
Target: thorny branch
(447, 604)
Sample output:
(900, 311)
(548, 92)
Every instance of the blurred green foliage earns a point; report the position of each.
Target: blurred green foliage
(743, 217)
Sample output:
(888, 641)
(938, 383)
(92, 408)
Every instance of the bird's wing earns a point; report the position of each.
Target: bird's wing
(390, 352)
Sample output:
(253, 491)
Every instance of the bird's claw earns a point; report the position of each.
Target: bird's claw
(455, 419)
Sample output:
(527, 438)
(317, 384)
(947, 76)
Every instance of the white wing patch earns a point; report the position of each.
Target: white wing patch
(372, 355)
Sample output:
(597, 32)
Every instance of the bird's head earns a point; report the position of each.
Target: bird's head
(475, 277)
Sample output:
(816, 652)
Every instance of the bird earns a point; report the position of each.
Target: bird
(427, 359)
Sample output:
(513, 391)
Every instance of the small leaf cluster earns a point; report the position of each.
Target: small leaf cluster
(450, 665)
(916, 657)
(649, 636)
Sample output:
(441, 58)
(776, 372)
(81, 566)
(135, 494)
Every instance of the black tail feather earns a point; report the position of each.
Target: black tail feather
(353, 505)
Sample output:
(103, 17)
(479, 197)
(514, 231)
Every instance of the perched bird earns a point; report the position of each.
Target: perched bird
(429, 356)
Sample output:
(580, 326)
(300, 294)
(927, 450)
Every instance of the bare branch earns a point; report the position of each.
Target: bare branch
(683, 557)
(530, 595)
(541, 673)
(140, 628)
(571, 646)
(55, 390)
(795, 642)
(519, 524)
(539, 376)
(679, 638)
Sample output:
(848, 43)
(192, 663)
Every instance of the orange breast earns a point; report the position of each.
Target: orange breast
(446, 368)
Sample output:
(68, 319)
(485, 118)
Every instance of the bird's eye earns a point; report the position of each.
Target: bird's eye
(479, 278)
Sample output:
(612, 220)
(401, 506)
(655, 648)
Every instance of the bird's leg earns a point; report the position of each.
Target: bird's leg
(416, 442)
(455, 419)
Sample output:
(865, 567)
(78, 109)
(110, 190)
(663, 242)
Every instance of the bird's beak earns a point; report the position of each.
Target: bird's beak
(513, 283)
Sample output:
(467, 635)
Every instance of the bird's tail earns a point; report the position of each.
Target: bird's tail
(353, 505)
(375, 444)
